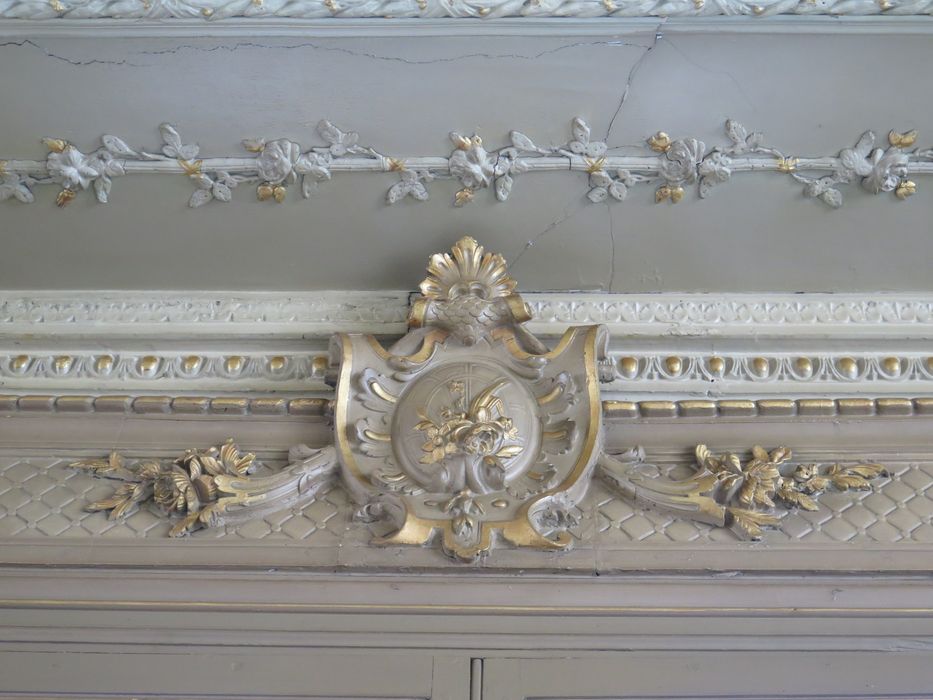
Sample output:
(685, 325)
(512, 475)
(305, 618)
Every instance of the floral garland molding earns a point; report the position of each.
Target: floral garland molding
(669, 164)
(432, 9)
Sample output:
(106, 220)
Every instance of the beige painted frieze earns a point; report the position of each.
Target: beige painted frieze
(670, 165)
(470, 431)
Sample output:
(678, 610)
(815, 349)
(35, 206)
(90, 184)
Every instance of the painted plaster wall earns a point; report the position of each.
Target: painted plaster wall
(811, 93)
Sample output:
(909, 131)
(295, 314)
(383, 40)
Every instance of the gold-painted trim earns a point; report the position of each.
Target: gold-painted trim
(885, 407)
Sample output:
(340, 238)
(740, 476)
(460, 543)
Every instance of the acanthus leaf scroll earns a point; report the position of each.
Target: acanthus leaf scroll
(469, 431)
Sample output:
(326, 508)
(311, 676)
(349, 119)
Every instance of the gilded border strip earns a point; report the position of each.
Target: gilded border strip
(612, 410)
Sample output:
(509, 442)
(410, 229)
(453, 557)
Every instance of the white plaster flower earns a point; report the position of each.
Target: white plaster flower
(277, 160)
(888, 169)
(471, 163)
(72, 168)
(680, 161)
(714, 169)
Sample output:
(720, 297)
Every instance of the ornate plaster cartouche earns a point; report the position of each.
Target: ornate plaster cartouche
(428, 9)
(669, 164)
(470, 430)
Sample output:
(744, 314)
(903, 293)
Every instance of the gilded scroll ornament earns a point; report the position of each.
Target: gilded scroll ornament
(729, 492)
(205, 488)
(470, 432)
(469, 429)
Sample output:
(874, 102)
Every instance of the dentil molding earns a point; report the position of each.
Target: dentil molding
(431, 9)
(669, 165)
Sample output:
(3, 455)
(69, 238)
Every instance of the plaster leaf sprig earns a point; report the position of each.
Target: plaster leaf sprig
(411, 183)
(217, 186)
(15, 185)
(716, 167)
(876, 169)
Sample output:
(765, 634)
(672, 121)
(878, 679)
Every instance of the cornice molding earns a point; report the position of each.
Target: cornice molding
(563, 27)
(434, 9)
(306, 315)
(669, 165)
(723, 346)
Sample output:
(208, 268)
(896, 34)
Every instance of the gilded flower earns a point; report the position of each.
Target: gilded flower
(478, 435)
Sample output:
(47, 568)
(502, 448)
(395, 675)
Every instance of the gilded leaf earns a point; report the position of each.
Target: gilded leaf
(509, 451)
(184, 526)
(815, 485)
(763, 496)
(122, 509)
(869, 471)
(233, 461)
(210, 465)
(747, 492)
(844, 482)
(105, 504)
(749, 523)
(732, 463)
(780, 455)
(703, 456)
(760, 453)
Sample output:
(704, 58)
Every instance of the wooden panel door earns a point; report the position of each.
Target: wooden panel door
(268, 673)
(734, 675)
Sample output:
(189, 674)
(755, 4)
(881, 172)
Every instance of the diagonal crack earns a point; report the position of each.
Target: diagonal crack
(732, 78)
(631, 76)
(612, 248)
(530, 243)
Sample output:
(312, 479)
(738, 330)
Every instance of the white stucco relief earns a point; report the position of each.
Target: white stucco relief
(670, 165)
(430, 9)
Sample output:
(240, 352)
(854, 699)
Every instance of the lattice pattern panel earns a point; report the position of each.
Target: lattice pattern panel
(44, 497)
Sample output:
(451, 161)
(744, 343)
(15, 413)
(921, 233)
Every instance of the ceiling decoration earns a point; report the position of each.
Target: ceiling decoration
(668, 165)
(428, 9)
(470, 430)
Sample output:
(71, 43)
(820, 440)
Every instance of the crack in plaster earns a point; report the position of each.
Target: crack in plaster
(531, 242)
(658, 35)
(378, 57)
(317, 47)
(612, 249)
(712, 71)
(70, 61)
